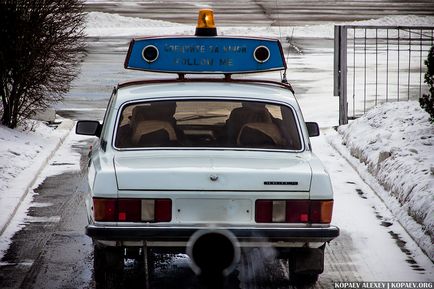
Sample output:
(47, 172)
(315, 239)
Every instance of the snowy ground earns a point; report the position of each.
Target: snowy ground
(395, 143)
(26, 152)
(102, 24)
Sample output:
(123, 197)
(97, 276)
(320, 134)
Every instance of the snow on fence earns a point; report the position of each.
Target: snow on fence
(377, 64)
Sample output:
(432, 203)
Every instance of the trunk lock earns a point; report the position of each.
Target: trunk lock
(213, 178)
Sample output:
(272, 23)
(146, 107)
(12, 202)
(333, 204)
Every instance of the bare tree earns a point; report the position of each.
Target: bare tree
(41, 45)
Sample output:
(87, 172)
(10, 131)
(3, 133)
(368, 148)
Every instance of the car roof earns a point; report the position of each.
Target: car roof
(236, 89)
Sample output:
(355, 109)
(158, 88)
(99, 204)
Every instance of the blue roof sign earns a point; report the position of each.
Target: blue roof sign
(191, 54)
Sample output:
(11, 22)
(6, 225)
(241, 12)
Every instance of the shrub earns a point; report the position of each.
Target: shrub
(42, 42)
(427, 100)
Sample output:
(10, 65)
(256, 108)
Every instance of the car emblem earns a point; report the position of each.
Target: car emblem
(278, 183)
(213, 178)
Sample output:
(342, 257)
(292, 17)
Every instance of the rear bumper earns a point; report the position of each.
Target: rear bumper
(183, 234)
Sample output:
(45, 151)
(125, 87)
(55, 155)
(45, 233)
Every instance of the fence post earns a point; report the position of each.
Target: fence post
(340, 72)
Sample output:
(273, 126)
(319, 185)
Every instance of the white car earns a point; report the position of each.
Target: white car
(183, 155)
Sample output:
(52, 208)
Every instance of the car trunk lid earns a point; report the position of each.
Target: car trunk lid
(196, 170)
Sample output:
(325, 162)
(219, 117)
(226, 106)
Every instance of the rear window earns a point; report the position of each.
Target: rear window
(218, 124)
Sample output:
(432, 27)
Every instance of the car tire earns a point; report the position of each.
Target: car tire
(108, 267)
(303, 280)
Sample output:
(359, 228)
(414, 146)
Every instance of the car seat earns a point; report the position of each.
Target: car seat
(250, 112)
(260, 135)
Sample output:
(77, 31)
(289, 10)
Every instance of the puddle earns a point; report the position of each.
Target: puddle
(401, 244)
(361, 194)
(52, 219)
(24, 263)
(377, 215)
(41, 205)
(386, 224)
(381, 218)
(62, 164)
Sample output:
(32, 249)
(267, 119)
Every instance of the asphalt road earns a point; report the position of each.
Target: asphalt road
(51, 251)
(266, 12)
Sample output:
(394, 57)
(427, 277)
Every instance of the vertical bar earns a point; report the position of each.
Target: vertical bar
(364, 80)
(146, 265)
(354, 72)
(398, 66)
(387, 64)
(409, 64)
(343, 104)
(420, 63)
(376, 66)
(336, 58)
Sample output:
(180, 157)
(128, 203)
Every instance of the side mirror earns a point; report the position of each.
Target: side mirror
(312, 129)
(88, 127)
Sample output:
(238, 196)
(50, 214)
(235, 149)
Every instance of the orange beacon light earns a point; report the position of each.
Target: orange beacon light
(205, 23)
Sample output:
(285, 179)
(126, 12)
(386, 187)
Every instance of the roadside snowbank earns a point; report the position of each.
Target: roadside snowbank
(23, 154)
(396, 143)
(100, 24)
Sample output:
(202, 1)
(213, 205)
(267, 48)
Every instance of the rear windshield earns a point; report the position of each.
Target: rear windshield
(219, 124)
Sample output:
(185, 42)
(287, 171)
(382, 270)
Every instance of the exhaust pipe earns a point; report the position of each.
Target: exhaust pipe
(214, 253)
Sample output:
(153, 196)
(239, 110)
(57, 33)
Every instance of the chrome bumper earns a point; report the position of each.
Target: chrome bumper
(183, 234)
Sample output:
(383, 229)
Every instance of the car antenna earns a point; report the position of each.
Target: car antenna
(282, 77)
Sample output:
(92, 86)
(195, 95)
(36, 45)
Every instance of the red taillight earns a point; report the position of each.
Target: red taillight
(321, 211)
(293, 211)
(264, 211)
(297, 211)
(163, 210)
(129, 210)
(104, 209)
(132, 210)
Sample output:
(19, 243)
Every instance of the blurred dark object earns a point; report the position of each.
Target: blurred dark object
(214, 255)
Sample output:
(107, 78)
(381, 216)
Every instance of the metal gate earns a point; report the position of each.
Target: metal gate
(377, 64)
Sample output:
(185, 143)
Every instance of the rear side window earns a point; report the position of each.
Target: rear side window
(219, 124)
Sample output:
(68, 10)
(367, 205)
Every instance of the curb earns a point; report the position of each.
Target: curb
(66, 126)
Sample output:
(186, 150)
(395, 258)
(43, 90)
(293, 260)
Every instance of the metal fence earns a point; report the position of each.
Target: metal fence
(377, 64)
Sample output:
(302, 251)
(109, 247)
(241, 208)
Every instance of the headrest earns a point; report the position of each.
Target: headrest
(150, 126)
(269, 130)
(154, 111)
(258, 106)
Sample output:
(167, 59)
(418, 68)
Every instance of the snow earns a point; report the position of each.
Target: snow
(398, 20)
(24, 152)
(357, 208)
(395, 133)
(395, 142)
(21, 155)
(100, 24)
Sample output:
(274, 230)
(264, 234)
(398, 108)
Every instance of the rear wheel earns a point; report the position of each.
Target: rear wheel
(305, 265)
(302, 280)
(108, 267)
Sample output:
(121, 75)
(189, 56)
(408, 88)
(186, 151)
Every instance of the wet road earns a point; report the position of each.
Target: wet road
(51, 251)
(266, 12)
(103, 69)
